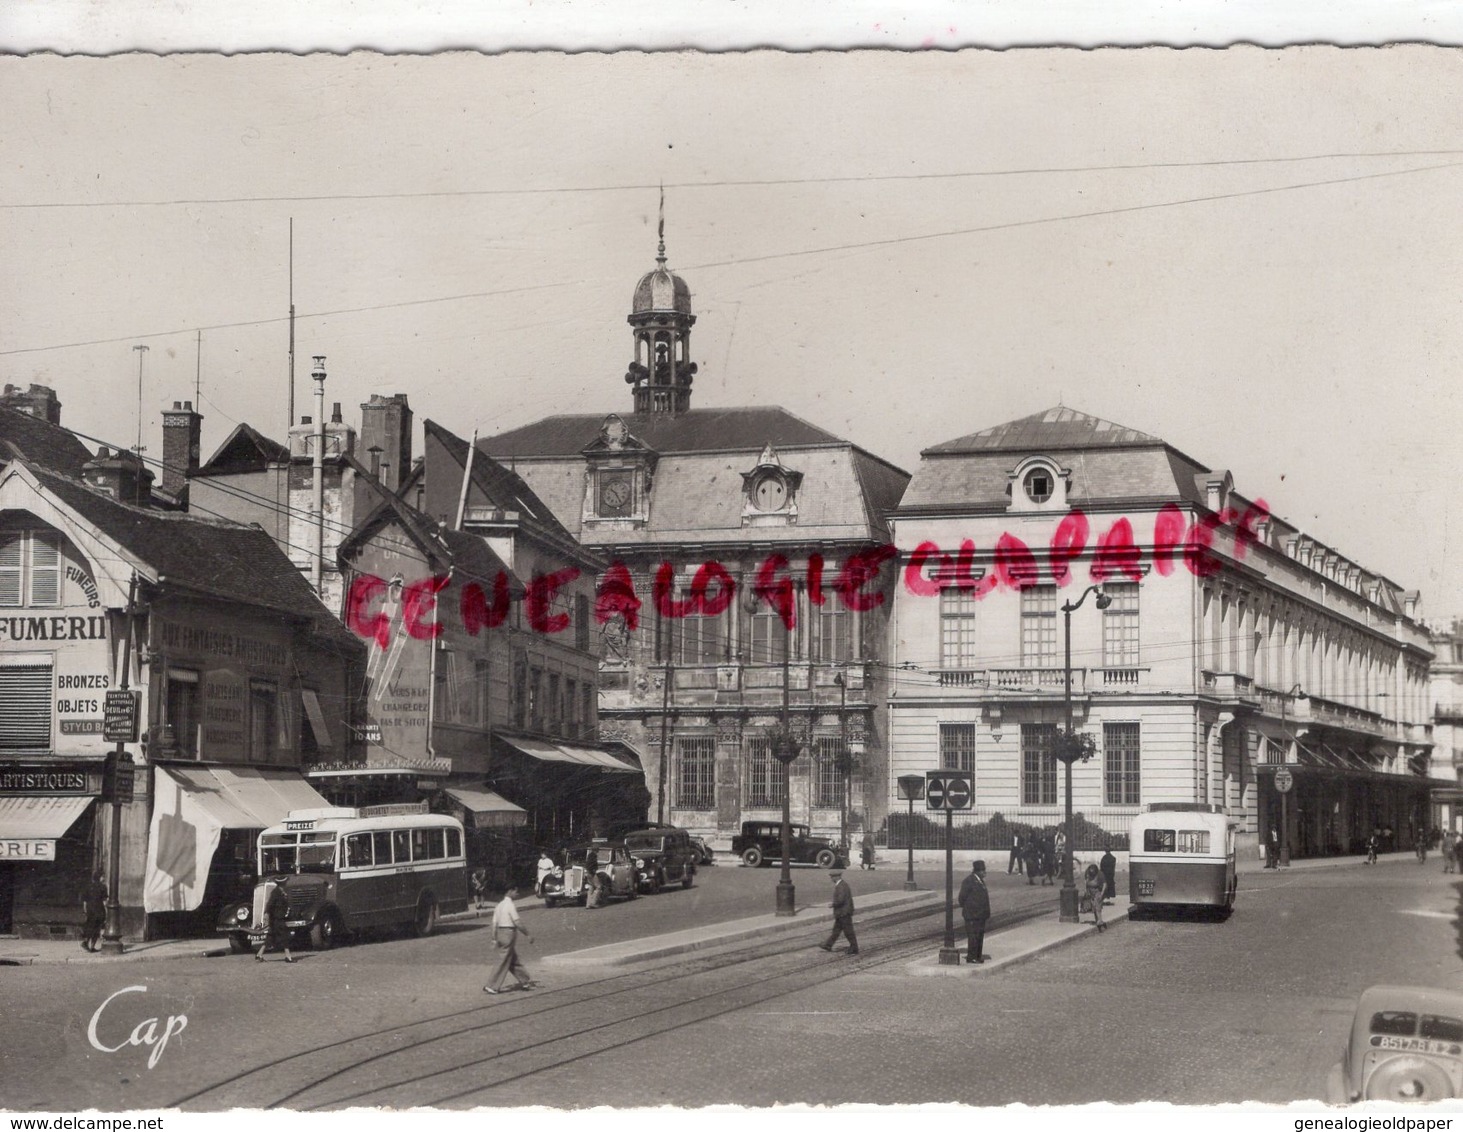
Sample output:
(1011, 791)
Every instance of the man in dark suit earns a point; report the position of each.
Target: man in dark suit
(975, 907)
(842, 913)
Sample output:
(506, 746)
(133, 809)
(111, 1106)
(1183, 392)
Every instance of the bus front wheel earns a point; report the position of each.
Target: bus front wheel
(327, 932)
(426, 921)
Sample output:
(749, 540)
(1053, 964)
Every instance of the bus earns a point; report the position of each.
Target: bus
(346, 869)
(1181, 854)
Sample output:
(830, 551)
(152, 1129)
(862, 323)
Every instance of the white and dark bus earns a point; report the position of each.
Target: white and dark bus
(1181, 854)
(347, 869)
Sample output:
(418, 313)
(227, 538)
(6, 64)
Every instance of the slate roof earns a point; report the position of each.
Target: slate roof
(696, 430)
(1055, 429)
(210, 557)
(245, 449)
(40, 443)
(1108, 462)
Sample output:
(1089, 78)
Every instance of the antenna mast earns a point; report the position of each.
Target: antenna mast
(198, 371)
(141, 353)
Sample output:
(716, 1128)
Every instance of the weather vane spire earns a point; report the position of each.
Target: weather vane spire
(660, 252)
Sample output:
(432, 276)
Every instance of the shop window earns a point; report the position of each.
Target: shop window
(957, 746)
(30, 569)
(25, 707)
(182, 709)
(1038, 764)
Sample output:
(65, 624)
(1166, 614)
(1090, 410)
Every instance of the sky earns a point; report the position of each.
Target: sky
(1251, 254)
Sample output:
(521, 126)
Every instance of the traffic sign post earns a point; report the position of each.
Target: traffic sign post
(949, 790)
(1284, 783)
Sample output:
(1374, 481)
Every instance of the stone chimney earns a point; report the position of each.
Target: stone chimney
(119, 474)
(182, 428)
(386, 424)
(37, 401)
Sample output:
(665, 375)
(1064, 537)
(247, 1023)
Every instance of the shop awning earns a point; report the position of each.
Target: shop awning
(488, 810)
(193, 805)
(568, 753)
(30, 827)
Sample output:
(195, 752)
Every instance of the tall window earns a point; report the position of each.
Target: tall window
(835, 632)
(957, 628)
(699, 639)
(30, 569)
(957, 746)
(264, 721)
(481, 691)
(768, 638)
(764, 773)
(1120, 764)
(181, 709)
(1038, 764)
(581, 622)
(696, 772)
(520, 694)
(1120, 626)
(555, 704)
(589, 717)
(25, 707)
(571, 708)
(1039, 627)
(828, 788)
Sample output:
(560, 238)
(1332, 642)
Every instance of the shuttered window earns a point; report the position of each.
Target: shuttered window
(25, 707)
(11, 559)
(30, 569)
(45, 572)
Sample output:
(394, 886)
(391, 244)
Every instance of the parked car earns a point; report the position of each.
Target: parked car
(663, 855)
(1406, 1045)
(606, 864)
(707, 855)
(761, 842)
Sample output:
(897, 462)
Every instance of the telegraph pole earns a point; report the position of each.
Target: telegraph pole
(117, 779)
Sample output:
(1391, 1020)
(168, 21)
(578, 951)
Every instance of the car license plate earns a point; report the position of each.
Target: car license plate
(1415, 1045)
(1145, 888)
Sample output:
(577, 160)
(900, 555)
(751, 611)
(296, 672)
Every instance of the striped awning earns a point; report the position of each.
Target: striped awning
(42, 819)
(570, 753)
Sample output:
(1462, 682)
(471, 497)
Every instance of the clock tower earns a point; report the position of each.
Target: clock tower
(618, 478)
(660, 314)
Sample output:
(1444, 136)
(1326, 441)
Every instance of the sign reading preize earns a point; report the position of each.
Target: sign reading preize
(119, 716)
(949, 790)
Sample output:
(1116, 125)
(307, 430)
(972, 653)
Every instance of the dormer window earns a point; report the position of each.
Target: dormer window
(769, 493)
(1038, 485)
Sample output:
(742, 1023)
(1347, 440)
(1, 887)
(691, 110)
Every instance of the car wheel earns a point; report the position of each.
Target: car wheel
(327, 931)
(826, 859)
(752, 857)
(426, 922)
(238, 943)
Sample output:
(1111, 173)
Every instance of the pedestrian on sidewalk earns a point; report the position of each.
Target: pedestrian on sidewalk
(545, 870)
(94, 912)
(1458, 853)
(1450, 863)
(1109, 866)
(1272, 849)
(1033, 856)
(1017, 859)
(975, 910)
(1095, 886)
(1371, 848)
(866, 850)
(842, 914)
(506, 929)
(478, 880)
(276, 924)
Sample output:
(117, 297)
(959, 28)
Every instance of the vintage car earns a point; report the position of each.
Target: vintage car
(1406, 1046)
(663, 855)
(761, 842)
(604, 868)
(703, 847)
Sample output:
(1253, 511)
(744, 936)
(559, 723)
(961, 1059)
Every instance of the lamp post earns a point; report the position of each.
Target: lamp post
(1284, 861)
(1069, 750)
(912, 787)
(843, 762)
(785, 750)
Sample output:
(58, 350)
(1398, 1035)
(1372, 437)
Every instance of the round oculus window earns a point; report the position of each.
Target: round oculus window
(769, 493)
(1039, 485)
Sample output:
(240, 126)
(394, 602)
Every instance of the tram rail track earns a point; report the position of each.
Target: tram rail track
(376, 1067)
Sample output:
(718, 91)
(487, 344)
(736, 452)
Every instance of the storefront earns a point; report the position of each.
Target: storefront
(47, 818)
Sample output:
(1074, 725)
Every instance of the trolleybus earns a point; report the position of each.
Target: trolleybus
(1181, 854)
(347, 869)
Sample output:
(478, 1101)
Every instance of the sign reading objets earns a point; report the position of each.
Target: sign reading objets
(949, 790)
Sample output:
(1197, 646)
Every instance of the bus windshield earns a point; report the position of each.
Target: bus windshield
(292, 853)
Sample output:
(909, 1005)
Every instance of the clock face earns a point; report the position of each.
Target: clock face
(614, 495)
(770, 494)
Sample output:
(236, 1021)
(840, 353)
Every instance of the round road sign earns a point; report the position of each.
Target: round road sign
(957, 794)
(1284, 780)
(935, 794)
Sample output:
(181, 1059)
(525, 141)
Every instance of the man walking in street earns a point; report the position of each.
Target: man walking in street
(842, 913)
(94, 913)
(1014, 865)
(506, 930)
(975, 909)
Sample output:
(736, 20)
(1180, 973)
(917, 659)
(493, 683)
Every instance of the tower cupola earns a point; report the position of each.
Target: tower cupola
(661, 318)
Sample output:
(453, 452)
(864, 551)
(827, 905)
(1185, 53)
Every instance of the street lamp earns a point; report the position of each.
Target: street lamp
(1070, 749)
(843, 760)
(785, 750)
(1284, 857)
(912, 787)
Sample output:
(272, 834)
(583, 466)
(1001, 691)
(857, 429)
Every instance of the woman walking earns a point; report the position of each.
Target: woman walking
(1096, 885)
